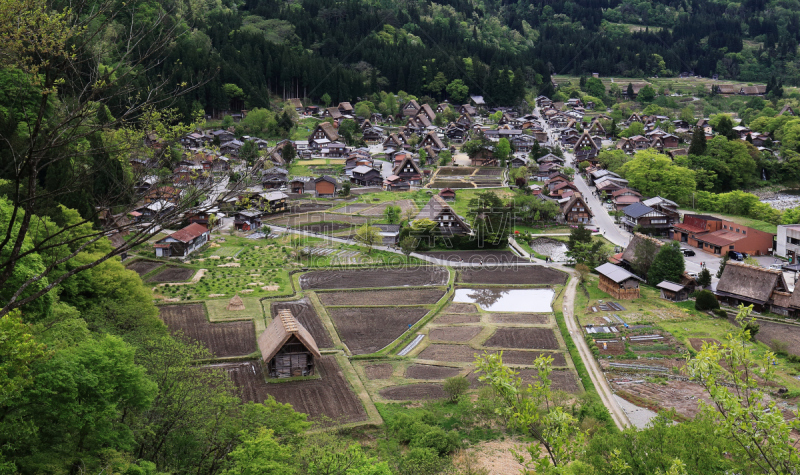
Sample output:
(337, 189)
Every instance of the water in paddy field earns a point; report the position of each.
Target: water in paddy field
(508, 300)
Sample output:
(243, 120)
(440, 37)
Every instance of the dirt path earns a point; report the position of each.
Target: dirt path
(599, 380)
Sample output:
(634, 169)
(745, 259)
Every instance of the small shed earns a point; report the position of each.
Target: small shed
(448, 194)
(287, 348)
(673, 291)
(618, 282)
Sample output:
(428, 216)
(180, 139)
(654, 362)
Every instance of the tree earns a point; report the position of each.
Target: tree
(455, 387)
(491, 218)
(569, 171)
(326, 99)
(635, 128)
(698, 145)
(722, 263)
(755, 423)
(392, 214)
(438, 83)
(704, 278)
(18, 352)
(687, 115)
(408, 245)
(629, 91)
(345, 189)
(531, 409)
(646, 94)
(260, 453)
(249, 152)
(368, 236)
(579, 235)
(445, 157)
(502, 151)
(655, 174)
(457, 91)
(667, 265)
(723, 125)
(288, 153)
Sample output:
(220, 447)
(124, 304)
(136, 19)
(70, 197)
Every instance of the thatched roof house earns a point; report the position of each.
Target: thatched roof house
(287, 348)
(629, 255)
(236, 303)
(746, 284)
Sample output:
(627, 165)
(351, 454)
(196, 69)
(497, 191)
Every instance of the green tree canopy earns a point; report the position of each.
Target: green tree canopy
(654, 174)
(667, 265)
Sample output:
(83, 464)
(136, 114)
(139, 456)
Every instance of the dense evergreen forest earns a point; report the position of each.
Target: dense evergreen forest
(350, 48)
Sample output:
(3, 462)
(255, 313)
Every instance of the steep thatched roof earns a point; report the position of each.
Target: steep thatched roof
(629, 256)
(236, 303)
(279, 331)
(750, 283)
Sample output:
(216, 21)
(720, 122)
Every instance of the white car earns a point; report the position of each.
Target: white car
(693, 275)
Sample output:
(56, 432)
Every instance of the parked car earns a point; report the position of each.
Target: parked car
(736, 256)
(776, 267)
(687, 252)
(693, 275)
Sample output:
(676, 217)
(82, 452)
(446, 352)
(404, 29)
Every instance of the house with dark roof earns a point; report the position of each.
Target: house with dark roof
(324, 134)
(643, 216)
(287, 348)
(448, 194)
(366, 176)
(182, 243)
(750, 285)
(575, 211)
(410, 108)
(618, 282)
(628, 256)
(345, 108)
(448, 222)
(395, 183)
(433, 140)
(408, 170)
(673, 291)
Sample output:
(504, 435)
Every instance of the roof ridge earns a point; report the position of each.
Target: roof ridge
(764, 269)
(288, 320)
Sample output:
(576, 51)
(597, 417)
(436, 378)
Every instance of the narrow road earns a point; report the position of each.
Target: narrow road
(595, 373)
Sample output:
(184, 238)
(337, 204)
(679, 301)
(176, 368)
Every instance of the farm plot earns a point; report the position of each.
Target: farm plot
(458, 318)
(789, 334)
(426, 371)
(304, 312)
(564, 380)
(316, 217)
(532, 319)
(222, 339)
(329, 397)
(353, 208)
(455, 171)
(368, 329)
(381, 297)
(143, 267)
(466, 354)
(360, 278)
(405, 205)
(305, 207)
(532, 338)
(173, 274)
(454, 333)
(378, 371)
(450, 184)
(325, 228)
(413, 392)
(515, 275)
(477, 257)
(683, 396)
(489, 171)
(462, 308)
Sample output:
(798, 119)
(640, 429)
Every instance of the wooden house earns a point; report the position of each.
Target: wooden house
(297, 104)
(438, 211)
(325, 133)
(639, 214)
(749, 285)
(183, 242)
(408, 170)
(247, 220)
(448, 194)
(287, 348)
(628, 258)
(325, 186)
(672, 291)
(345, 108)
(411, 108)
(576, 211)
(483, 158)
(366, 176)
(297, 186)
(395, 183)
(618, 282)
(433, 140)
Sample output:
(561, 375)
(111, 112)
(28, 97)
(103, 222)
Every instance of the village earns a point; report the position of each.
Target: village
(280, 277)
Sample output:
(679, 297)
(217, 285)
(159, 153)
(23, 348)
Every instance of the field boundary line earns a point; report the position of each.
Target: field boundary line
(352, 377)
(322, 313)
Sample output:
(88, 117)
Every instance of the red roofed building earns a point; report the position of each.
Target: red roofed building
(718, 236)
(182, 243)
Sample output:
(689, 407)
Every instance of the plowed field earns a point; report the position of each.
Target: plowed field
(563, 380)
(222, 339)
(454, 333)
(476, 257)
(330, 396)
(378, 371)
(173, 274)
(466, 354)
(382, 297)
(514, 275)
(462, 308)
(143, 267)
(368, 329)
(789, 334)
(458, 318)
(304, 312)
(533, 319)
(360, 278)
(413, 392)
(424, 371)
(527, 338)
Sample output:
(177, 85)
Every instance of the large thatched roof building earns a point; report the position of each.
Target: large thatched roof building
(287, 348)
(746, 284)
(629, 255)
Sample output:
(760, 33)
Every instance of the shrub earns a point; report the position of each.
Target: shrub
(793, 359)
(721, 313)
(437, 439)
(780, 348)
(706, 300)
(753, 328)
(420, 461)
(455, 387)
